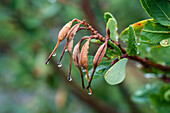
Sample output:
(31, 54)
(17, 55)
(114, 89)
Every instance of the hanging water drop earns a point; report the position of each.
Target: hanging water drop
(47, 63)
(89, 93)
(70, 79)
(60, 65)
(65, 50)
(137, 52)
(165, 42)
(54, 54)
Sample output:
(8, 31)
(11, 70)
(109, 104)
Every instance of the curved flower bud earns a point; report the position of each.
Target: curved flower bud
(98, 58)
(61, 36)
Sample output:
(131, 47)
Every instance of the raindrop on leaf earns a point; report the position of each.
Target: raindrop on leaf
(165, 42)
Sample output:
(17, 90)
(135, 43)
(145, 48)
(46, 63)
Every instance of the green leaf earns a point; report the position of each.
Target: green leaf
(160, 53)
(154, 32)
(111, 53)
(158, 9)
(101, 69)
(107, 16)
(116, 74)
(112, 25)
(137, 28)
(132, 42)
(115, 47)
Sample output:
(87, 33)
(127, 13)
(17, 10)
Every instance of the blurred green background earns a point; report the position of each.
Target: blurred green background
(28, 33)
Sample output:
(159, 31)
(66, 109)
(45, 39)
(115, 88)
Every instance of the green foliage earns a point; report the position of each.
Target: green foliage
(116, 74)
(158, 9)
(101, 69)
(160, 53)
(137, 28)
(112, 26)
(132, 42)
(117, 49)
(154, 32)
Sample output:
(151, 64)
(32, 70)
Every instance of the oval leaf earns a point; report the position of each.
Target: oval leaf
(112, 25)
(116, 74)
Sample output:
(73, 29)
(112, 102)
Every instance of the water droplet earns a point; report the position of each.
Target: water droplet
(70, 79)
(60, 65)
(83, 70)
(165, 42)
(65, 50)
(89, 93)
(54, 54)
(137, 52)
(138, 43)
(47, 62)
(149, 75)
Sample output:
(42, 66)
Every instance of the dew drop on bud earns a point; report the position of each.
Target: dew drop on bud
(47, 62)
(70, 79)
(54, 54)
(89, 93)
(137, 52)
(59, 65)
(65, 50)
(165, 42)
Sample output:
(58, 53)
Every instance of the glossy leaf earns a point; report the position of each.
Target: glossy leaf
(154, 32)
(137, 28)
(160, 53)
(112, 25)
(158, 9)
(116, 74)
(132, 42)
